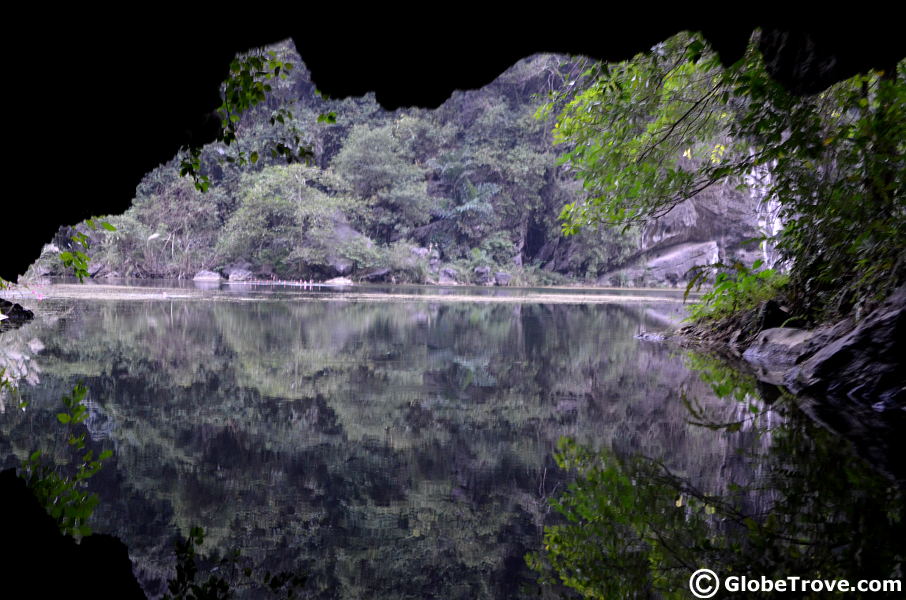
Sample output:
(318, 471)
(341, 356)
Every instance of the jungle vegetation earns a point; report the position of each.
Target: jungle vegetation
(646, 134)
(477, 184)
(302, 186)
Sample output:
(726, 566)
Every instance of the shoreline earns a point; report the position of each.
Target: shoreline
(270, 292)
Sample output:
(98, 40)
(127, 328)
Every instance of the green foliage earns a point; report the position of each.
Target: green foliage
(330, 117)
(287, 219)
(170, 230)
(190, 166)
(64, 496)
(840, 178)
(736, 288)
(646, 134)
(75, 259)
(250, 81)
(264, 227)
(381, 171)
(628, 529)
(498, 248)
(631, 125)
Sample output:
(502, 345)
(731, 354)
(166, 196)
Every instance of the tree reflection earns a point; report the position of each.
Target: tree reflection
(631, 528)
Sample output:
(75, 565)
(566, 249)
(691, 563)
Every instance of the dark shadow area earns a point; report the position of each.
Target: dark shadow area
(40, 562)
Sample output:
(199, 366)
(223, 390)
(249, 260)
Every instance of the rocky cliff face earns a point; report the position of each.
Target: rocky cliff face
(708, 228)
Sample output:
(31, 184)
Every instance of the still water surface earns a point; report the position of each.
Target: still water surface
(398, 448)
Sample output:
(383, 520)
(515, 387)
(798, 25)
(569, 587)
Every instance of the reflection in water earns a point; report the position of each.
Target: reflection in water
(400, 449)
(17, 365)
(635, 528)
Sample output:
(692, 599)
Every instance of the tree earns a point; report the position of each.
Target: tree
(381, 170)
(286, 219)
(646, 134)
(249, 83)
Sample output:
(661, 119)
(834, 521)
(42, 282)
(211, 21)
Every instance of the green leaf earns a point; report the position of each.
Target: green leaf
(64, 418)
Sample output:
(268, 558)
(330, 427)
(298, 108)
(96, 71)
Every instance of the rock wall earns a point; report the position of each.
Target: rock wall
(710, 227)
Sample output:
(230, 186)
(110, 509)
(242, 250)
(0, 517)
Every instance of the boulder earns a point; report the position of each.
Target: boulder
(339, 235)
(13, 315)
(238, 274)
(207, 276)
(241, 270)
(95, 268)
(672, 264)
(502, 278)
(376, 274)
(651, 336)
(483, 276)
(863, 365)
(666, 266)
(775, 351)
(339, 281)
(15, 312)
(448, 276)
(719, 213)
(771, 314)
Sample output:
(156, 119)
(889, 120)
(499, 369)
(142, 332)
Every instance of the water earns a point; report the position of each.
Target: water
(389, 448)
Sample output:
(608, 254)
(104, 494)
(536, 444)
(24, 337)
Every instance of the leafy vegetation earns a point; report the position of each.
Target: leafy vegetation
(736, 288)
(75, 258)
(249, 83)
(62, 494)
(649, 133)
